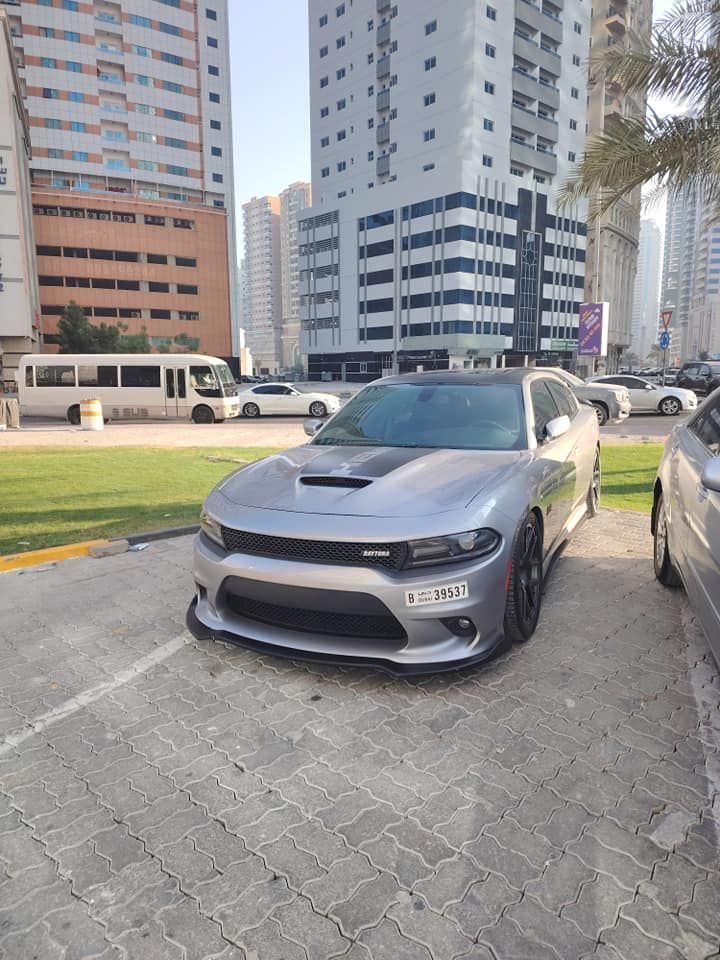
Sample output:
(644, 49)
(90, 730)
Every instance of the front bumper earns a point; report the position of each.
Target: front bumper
(285, 598)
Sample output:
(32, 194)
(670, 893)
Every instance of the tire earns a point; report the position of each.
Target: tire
(318, 409)
(662, 561)
(73, 416)
(670, 407)
(203, 414)
(593, 496)
(524, 595)
(251, 410)
(601, 413)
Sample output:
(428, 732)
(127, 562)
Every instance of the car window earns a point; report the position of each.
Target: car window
(704, 370)
(616, 380)
(262, 390)
(544, 406)
(691, 369)
(715, 369)
(707, 428)
(564, 398)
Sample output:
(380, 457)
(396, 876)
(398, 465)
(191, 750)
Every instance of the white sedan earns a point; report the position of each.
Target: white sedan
(646, 397)
(282, 398)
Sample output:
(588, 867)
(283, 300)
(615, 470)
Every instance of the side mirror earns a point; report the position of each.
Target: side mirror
(710, 478)
(311, 427)
(649, 386)
(558, 427)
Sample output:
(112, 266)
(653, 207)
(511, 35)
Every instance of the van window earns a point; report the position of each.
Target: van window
(28, 376)
(202, 380)
(91, 375)
(136, 376)
(55, 376)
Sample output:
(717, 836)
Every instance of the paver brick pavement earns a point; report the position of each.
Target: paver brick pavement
(166, 798)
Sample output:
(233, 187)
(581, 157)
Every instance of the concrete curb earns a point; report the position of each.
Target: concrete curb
(34, 558)
(167, 534)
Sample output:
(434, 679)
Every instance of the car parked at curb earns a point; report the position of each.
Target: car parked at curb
(647, 397)
(283, 399)
(686, 515)
(611, 403)
(414, 532)
(702, 376)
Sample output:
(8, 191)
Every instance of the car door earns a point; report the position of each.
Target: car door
(557, 472)
(262, 397)
(699, 442)
(582, 450)
(643, 395)
(293, 402)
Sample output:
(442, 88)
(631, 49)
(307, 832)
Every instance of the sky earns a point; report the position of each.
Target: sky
(271, 99)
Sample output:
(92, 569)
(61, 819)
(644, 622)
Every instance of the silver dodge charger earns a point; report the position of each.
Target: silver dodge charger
(413, 532)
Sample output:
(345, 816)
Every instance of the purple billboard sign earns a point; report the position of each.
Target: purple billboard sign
(593, 330)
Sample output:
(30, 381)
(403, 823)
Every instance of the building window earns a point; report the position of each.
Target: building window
(324, 82)
(147, 137)
(371, 154)
(489, 87)
(71, 36)
(323, 20)
(172, 87)
(371, 25)
(214, 97)
(143, 80)
(54, 154)
(50, 63)
(176, 171)
(215, 125)
(171, 58)
(172, 114)
(577, 28)
(77, 126)
(325, 142)
(139, 21)
(170, 28)
(73, 66)
(574, 93)
(216, 151)
(47, 32)
(430, 63)
(571, 156)
(491, 13)
(428, 166)
(325, 172)
(213, 71)
(50, 94)
(341, 104)
(371, 58)
(488, 124)
(324, 111)
(340, 43)
(71, 5)
(489, 50)
(371, 90)
(341, 134)
(187, 288)
(573, 124)
(342, 166)
(140, 51)
(211, 14)
(576, 60)
(185, 262)
(76, 96)
(217, 178)
(429, 134)
(212, 42)
(429, 99)
(430, 27)
(340, 74)
(517, 172)
(52, 123)
(323, 52)
(340, 10)
(487, 160)
(149, 165)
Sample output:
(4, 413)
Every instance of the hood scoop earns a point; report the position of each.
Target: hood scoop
(337, 481)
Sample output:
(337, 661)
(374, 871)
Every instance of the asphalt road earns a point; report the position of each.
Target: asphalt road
(640, 426)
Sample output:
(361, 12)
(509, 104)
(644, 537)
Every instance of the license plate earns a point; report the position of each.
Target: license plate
(428, 595)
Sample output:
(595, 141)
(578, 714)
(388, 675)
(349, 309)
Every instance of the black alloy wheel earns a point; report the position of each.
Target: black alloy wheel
(524, 595)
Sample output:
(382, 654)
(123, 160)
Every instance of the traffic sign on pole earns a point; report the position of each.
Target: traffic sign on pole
(664, 340)
(666, 317)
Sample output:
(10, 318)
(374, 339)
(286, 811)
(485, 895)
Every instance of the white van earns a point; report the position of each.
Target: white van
(131, 386)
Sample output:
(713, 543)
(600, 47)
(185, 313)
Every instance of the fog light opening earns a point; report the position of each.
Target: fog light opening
(461, 627)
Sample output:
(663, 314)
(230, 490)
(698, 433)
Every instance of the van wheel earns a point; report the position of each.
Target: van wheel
(73, 416)
(203, 414)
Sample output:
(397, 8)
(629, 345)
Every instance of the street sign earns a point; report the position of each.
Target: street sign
(666, 317)
(664, 340)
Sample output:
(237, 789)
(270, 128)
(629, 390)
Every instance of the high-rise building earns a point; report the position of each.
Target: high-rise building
(612, 242)
(646, 294)
(132, 171)
(703, 337)
(440, 133)
(681, 233)
(19, 303)
(263, 286)
(293, 200)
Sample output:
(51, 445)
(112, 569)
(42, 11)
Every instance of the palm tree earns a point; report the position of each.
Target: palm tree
(678, 151)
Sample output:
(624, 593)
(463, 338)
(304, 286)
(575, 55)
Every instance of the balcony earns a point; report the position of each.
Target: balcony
(382, 132)
(383, 165)
(616, 24)
(383, 101)
(527, 49)
(383, 67)
(526, 154)
(383, 34)
(383, 5)
(531, 14)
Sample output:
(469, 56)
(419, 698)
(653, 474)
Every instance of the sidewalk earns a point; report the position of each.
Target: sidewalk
(164, 799)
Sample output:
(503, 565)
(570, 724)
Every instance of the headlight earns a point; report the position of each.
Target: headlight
(211, 528)
(451, 549)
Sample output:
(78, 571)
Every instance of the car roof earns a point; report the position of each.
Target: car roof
(507, 375)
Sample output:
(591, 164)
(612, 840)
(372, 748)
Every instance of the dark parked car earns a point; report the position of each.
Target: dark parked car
(686, 515)
(702, 376)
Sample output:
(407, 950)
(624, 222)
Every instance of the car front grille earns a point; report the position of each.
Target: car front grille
(373, 626)
(391, 556)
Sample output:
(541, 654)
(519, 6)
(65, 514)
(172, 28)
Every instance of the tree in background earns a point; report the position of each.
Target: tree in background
(681, 150)
(703, 355)
(77, 335)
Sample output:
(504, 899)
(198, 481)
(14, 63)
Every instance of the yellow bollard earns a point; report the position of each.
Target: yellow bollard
(91, 415)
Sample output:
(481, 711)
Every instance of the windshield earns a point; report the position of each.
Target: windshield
(227, 381)
(569, 378)
(458, 416)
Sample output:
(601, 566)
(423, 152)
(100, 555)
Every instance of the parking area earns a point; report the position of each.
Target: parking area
(164, 798)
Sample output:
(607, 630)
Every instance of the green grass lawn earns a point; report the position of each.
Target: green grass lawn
(58, 496)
